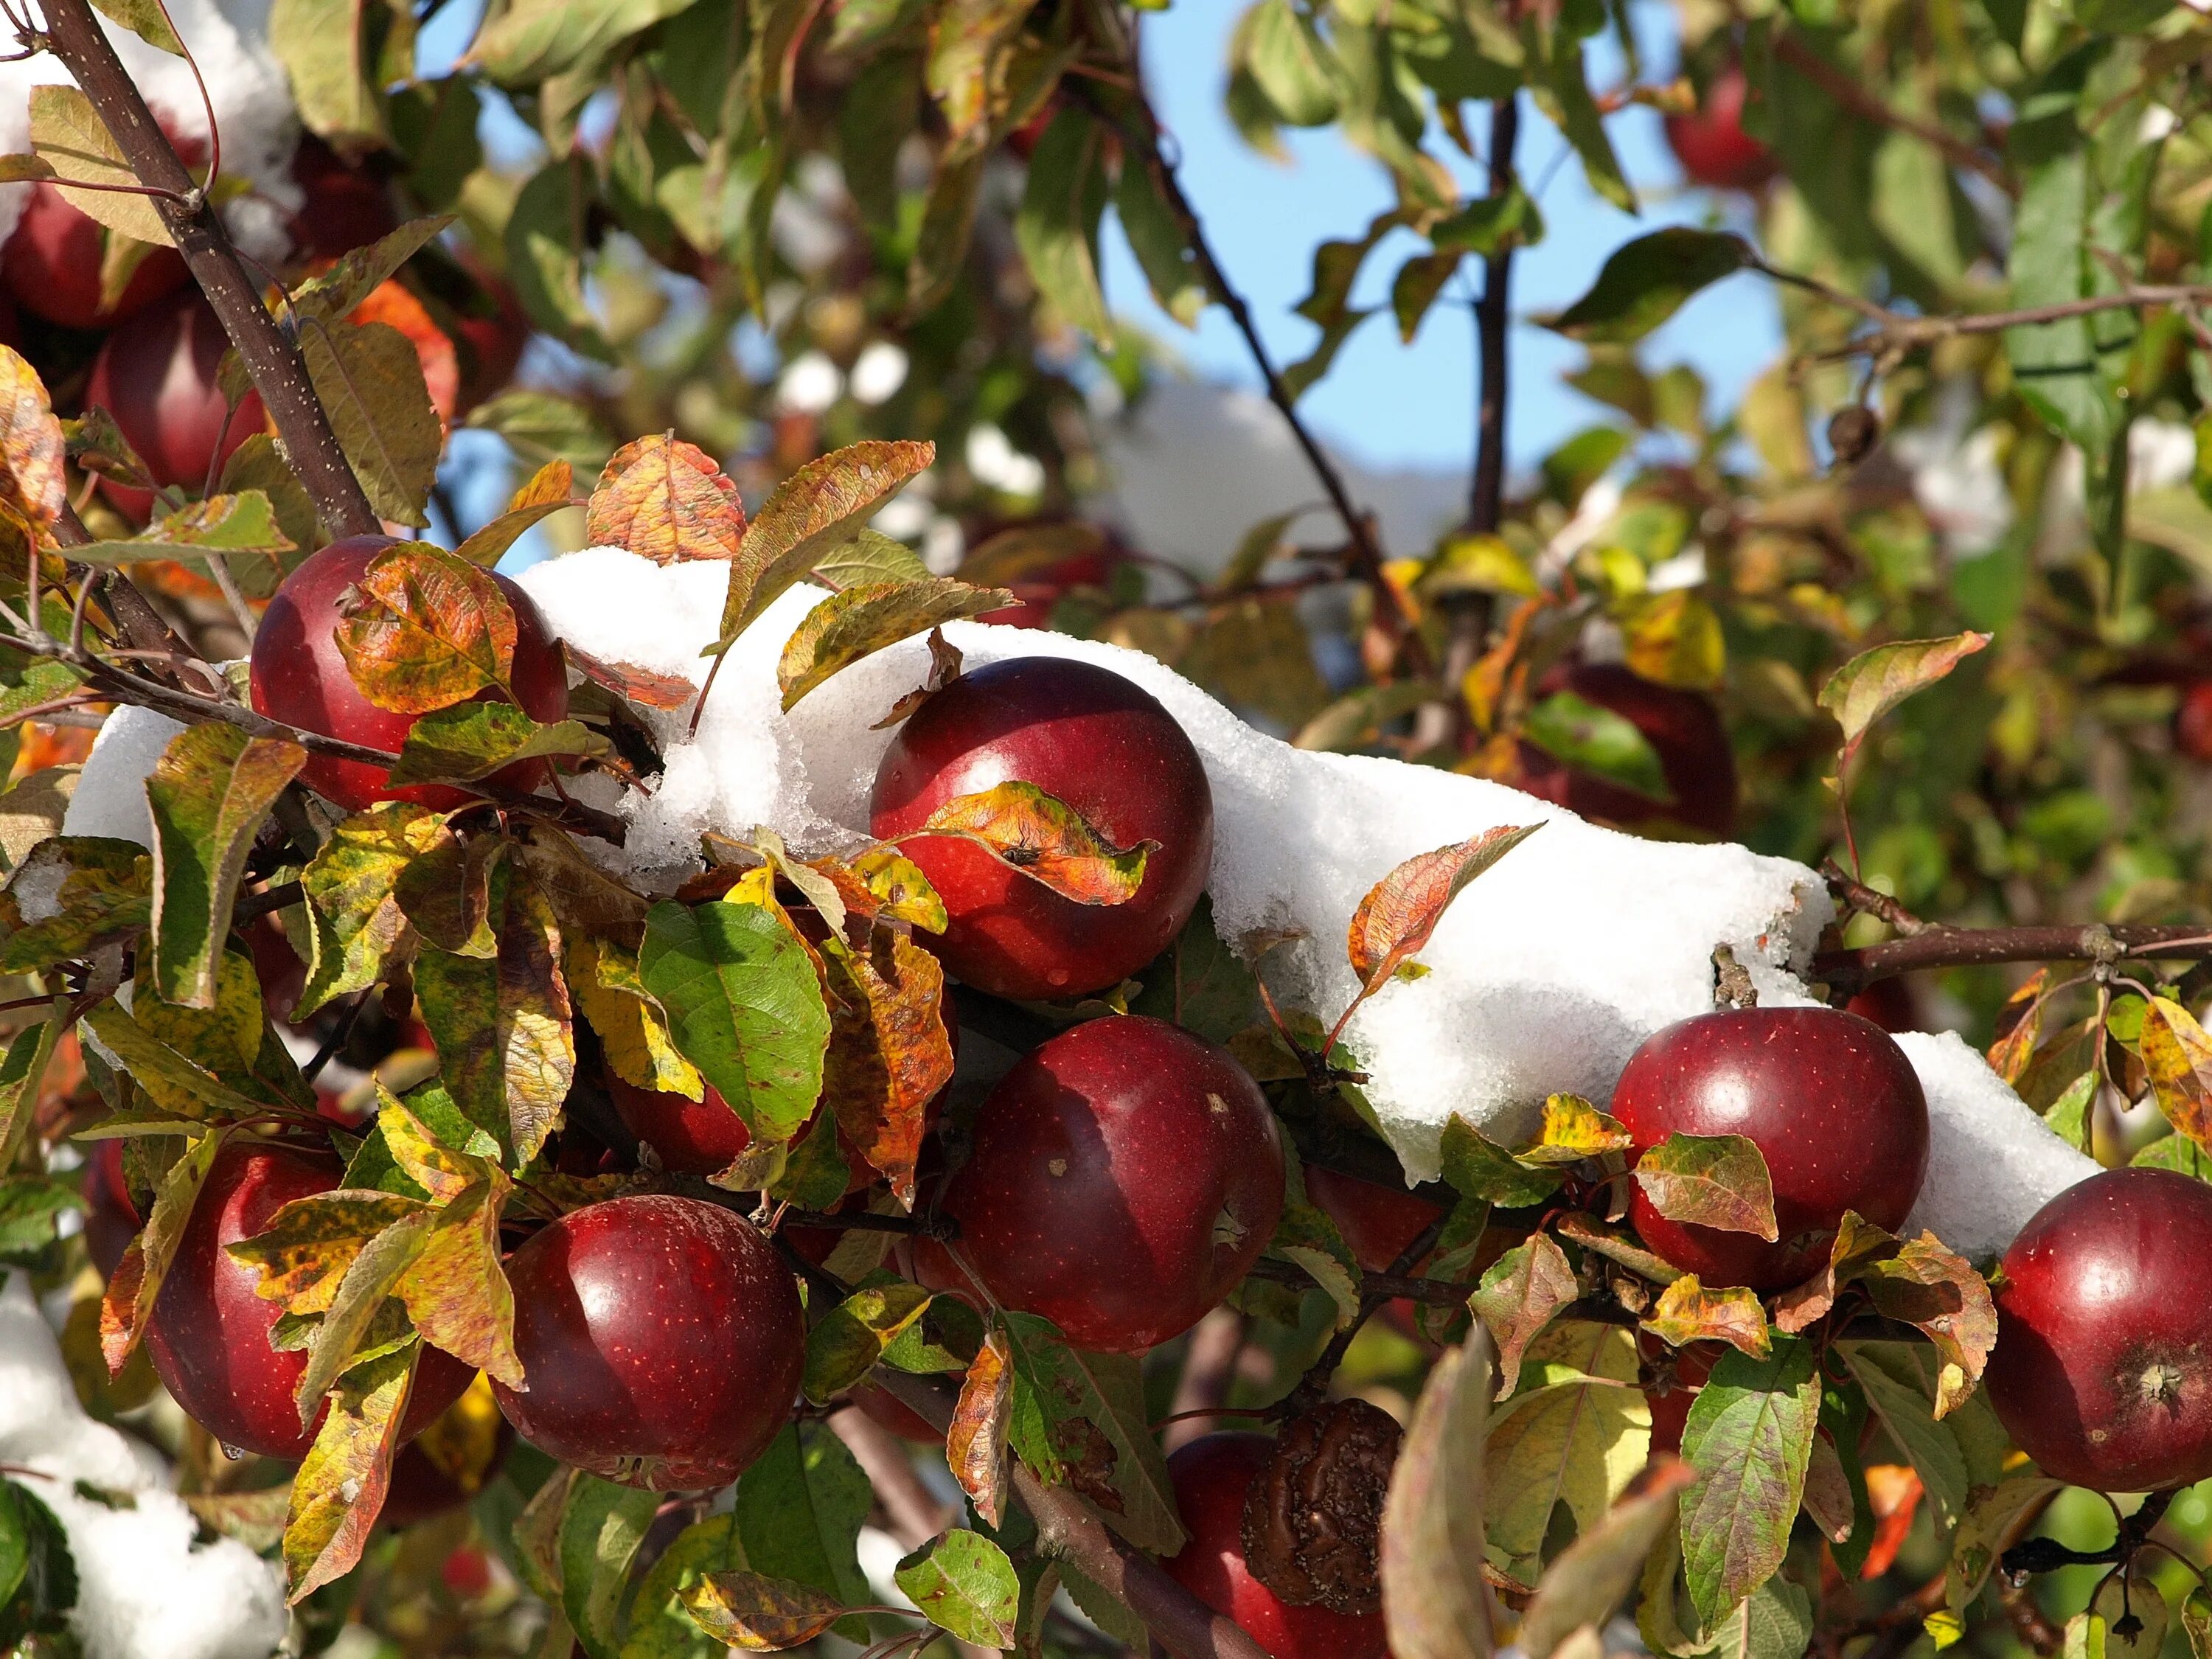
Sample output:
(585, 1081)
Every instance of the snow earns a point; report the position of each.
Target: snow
(1543, 976)
(146, 1590)
(253, 107)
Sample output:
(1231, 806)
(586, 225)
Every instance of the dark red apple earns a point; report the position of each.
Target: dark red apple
(1378, 1222)
(1829, 1099)
(209, 1337)
(346, 206)
(1890, 1004)
(2103, 1368)
(1124, 1177)
(1685, 731)
(300, 676)
(1043, 589)
(1710, 143)
(2192, 722)
(1685, 1372)
(1211, 1475)
(661, 1339)
(51, 267)
(156, 375)
(111, 1218)
(694, 1137)
(489, 330)
(1096, 741)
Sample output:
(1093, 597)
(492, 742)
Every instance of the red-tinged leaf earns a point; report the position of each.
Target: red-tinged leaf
(1713, 1180)
(1687, 1312)
(424, 629)
(758, 1614)
(890, 1053)
(1927, 1286)
(865, 619)
(2020, 1028)
(1435, 1602)
(33, 483)
(137, 1281)
(648, 687)
(1521, 1294)
(816, 510)
(666, 501)
(208, 795)
(1395, 919)
(342, 1484)
(975, 1444)
(1859, 1244)
(1827, 1501)
(1749, 1435)
(1045, 839)
(457, 1293)
(1578, 1227)
(1599, 1568)
(1574, 1130)
(310, 1244)
(2176, 1056)
(1875, 682)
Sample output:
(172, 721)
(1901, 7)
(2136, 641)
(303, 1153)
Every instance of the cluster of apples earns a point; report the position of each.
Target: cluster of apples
(149, 354)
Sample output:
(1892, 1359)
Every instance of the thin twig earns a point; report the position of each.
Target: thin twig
(1847, 972)
(1871, 900)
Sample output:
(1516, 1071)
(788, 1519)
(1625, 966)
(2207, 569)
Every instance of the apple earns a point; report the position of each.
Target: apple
(1123, 1177)
(661, 1341)
(1684, 729)
(1378, 1222)
(2192, 721)
(1211, 1477)
(2102, 1372)
(1710, 143)
(208, 1335)
(298, 675)
(1828, 1098)
(1098, 742)
(156, 375)
(50, 266)
(346, 206)
(111, 1218)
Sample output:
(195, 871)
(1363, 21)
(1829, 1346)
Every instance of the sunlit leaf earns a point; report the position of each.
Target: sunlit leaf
(1687, 1312)
(665, 501)
(862, 619)
(975, 1444)
(1710, 1180)
(1875, 682)
(428, 630)
(1518, 1297)
(1045, 839)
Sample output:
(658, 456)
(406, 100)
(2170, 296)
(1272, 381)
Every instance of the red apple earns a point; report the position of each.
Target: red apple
(1042, 589)
(1211, 1475)
(300, 676)
(346, 207)
(156, 375)
(1710, 143)
(693, 1137)
(1890, 1004)
(1378, 1222)
(2192, 722)
(51, 267)
(111, 1218)
(1123, 1177)
(209, 1337)
(1096, 741)
(1683, 729)
(1829, 1099)
(2103, 1368)
(661, 1339)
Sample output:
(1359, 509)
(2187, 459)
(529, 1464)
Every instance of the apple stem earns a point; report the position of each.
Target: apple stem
(273, 361)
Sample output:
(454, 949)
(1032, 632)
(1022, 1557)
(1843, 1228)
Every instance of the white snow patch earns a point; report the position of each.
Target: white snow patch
(146, 1590)
(252, 110)
(1544, 975)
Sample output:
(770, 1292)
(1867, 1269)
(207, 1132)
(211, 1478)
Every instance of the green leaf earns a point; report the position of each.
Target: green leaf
(1476, 1166)
(745, 1006)
(37, 1574)
(355, 918)
(370, 382)
(799, 1511)
(1057, 226)
(207, 794)
(1710, 1181)
(321, 47)
(2056, 366)
(851, 1338)
(864, 618)
(546, 263)
(31, 1209)
(1420, 280)
(1157, 239)
(67, 132)
(1902, 1396)
(1645, 281)
(22, 1073)
(151, 23)
(1577, 732)
(964, 1584)
(601, 1527)
(333, 294)
(1520, 1295)
(1079, 1419)
(533, 40)
(1291, 64)
(1875, 682)
(660, 1626)
(1576, 1433)
(1599, 1568)
(472, 740)
(1749, 1435)
(819, 510)
(1562, 91)
(1489, 224)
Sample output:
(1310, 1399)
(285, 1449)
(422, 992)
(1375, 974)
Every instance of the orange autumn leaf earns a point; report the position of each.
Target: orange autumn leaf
(889, 1051)
(32, 484)
(975, 1444)
(391, 303)
(1399, 912)
(425, 629)
(1047, 840)
(666, 501)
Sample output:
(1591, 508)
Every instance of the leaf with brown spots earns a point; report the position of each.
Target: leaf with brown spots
(309, 1245)
(1934, 1288)
(2176, 1056)
(646, 687)
(890, 1053)
(352, 908)
(1875, 682)
(1859, 1244)
(131, 1290)
(1711, 1181)
(894, 888)
(758, 1614)
(425, 629)
(1045, 839)
(1078, 1419)
(815, 511)
(1394, 920)
(1520, 1295)
(2019, 1026)
(1687, 1312)
(975, 1444)
(665, 500)
(457, 1293)
(342, 1484)
(33, 483)
(1574, 1130)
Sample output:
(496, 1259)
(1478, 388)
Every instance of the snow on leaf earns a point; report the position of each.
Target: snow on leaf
(666, 501)
(1687, 1312)
(1711, 1181)
(428, 630)
(1045, 839)
(1875, 682)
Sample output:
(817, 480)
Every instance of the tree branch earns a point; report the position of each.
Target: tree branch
(1856, 98)
(272, 358)
(1848, 972)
